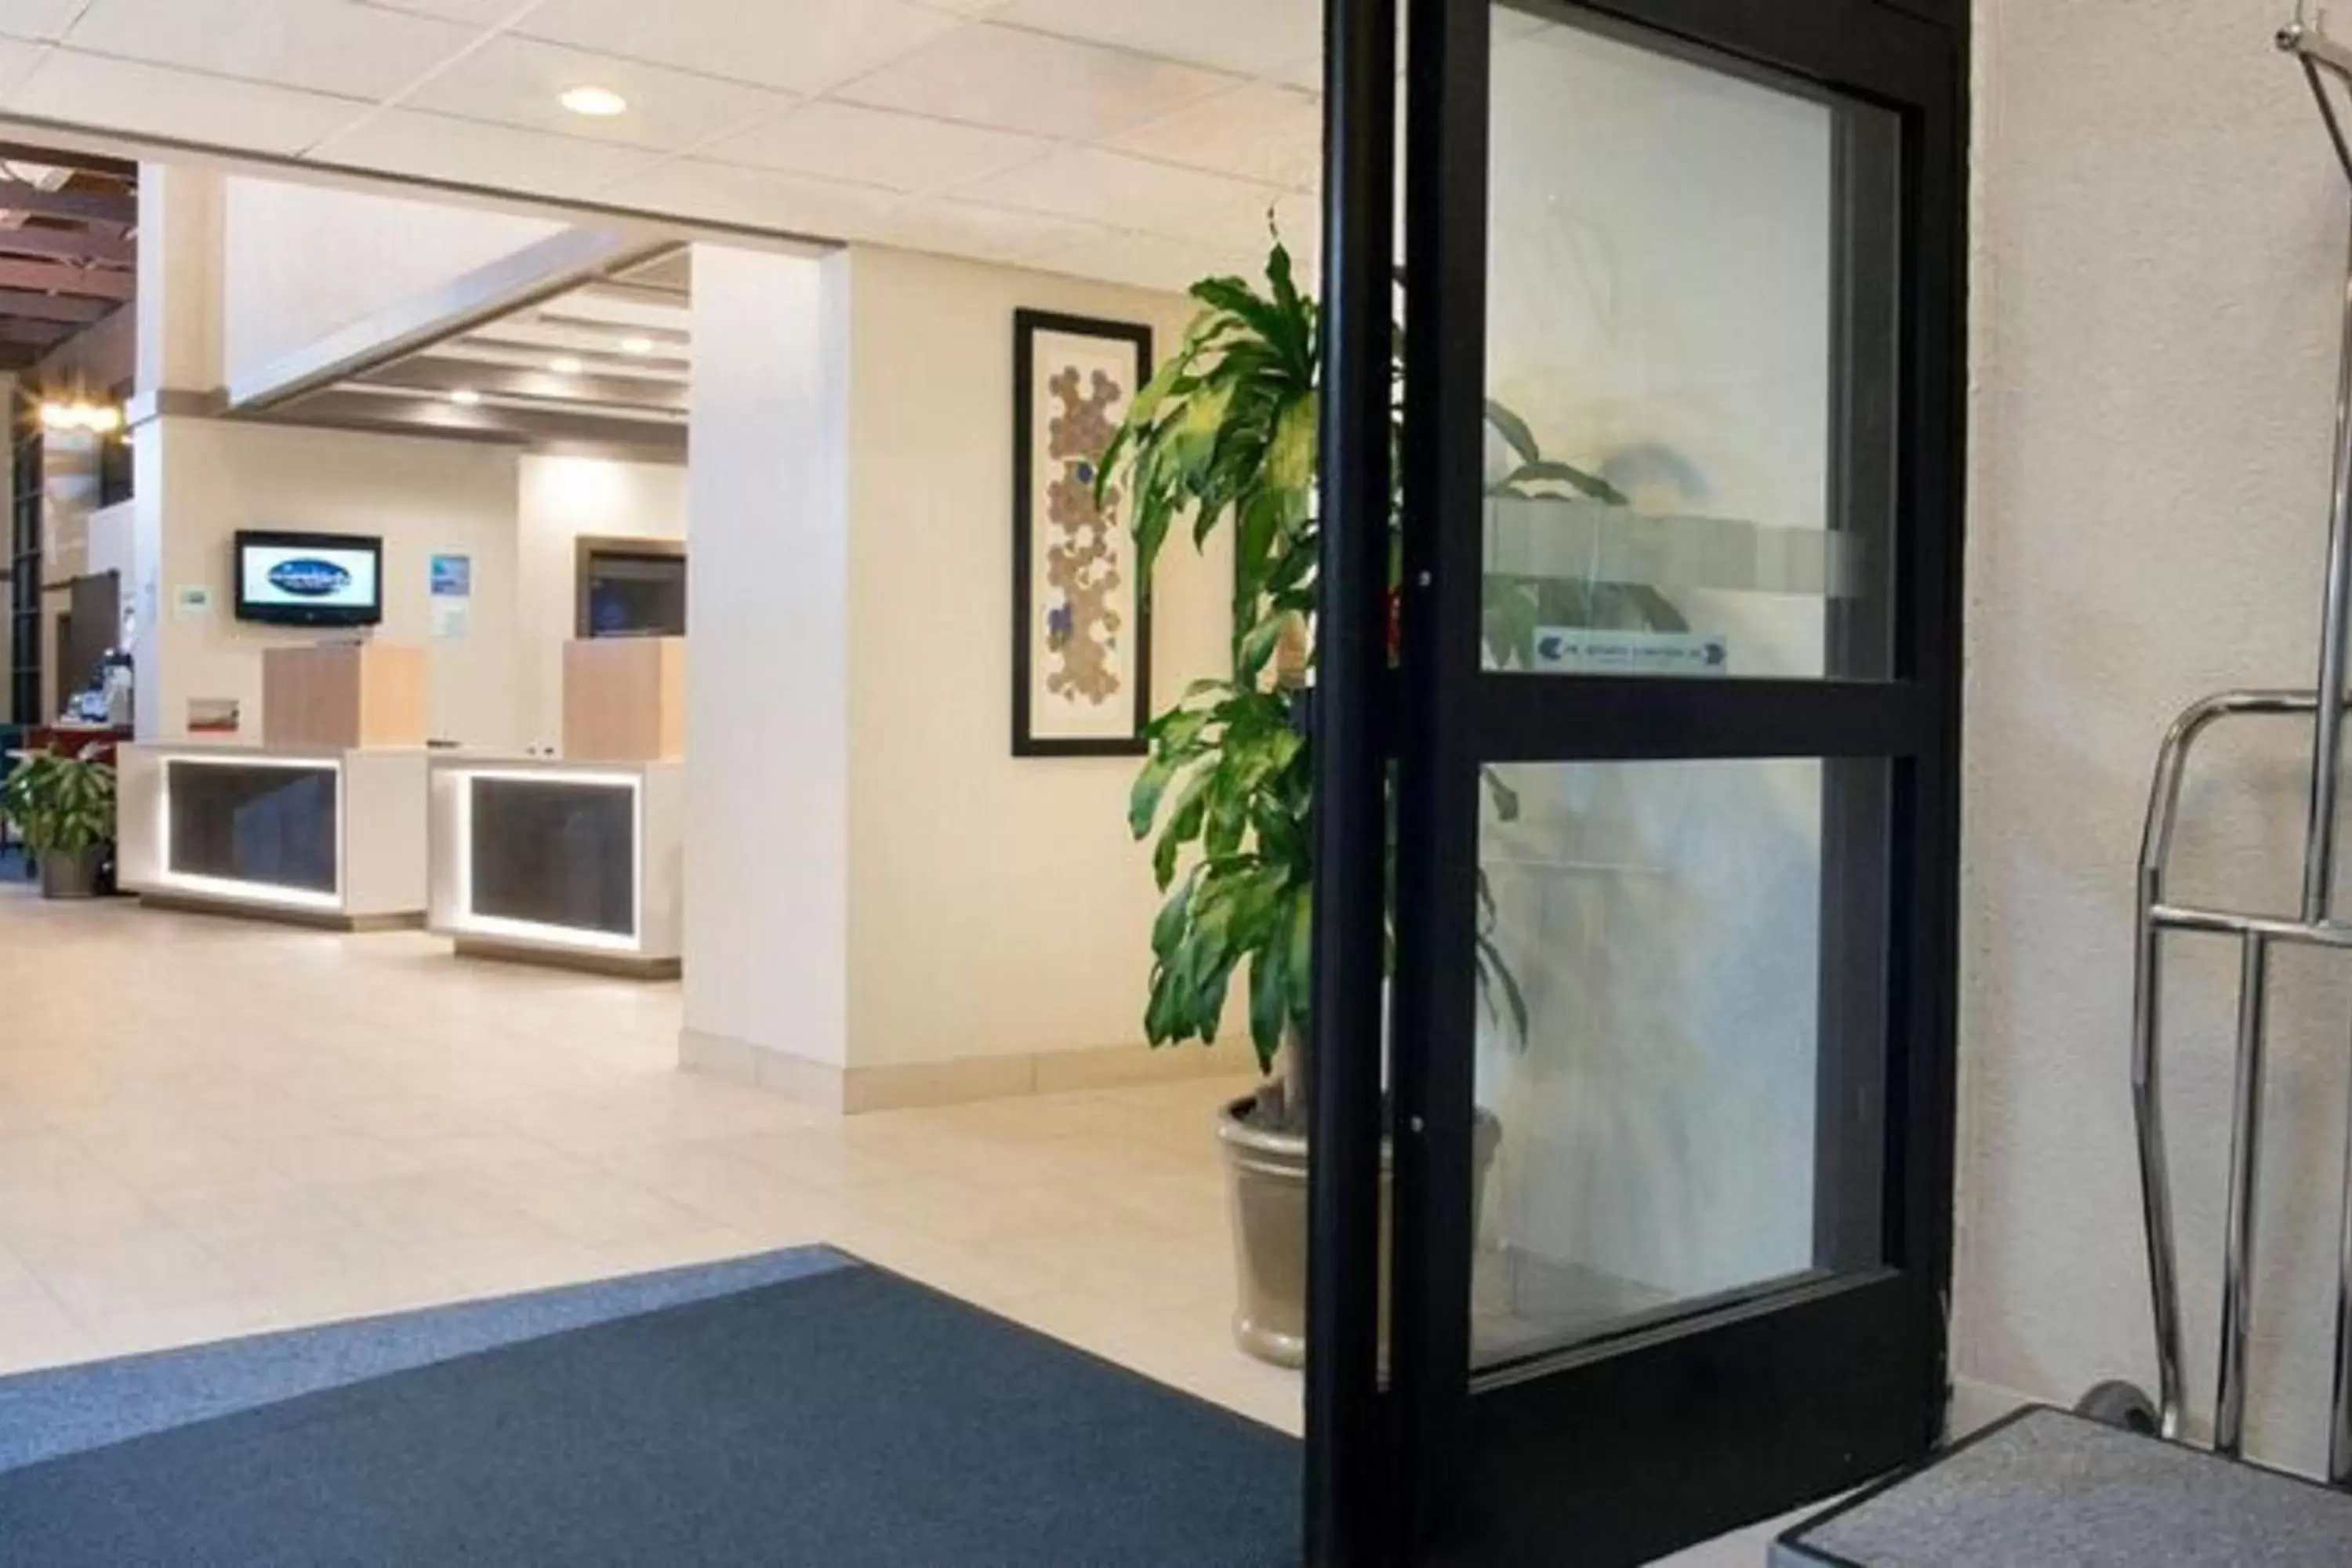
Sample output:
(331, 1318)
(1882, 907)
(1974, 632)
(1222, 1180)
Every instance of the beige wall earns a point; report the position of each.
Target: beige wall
(2159, 253)
(200, 480)
(997, 905)
(562, 499)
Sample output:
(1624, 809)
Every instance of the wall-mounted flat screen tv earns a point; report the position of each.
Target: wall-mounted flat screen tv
(310, 579)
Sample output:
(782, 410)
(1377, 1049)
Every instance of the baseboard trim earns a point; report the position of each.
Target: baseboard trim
(279, 914)
(619, 965)
(906, 1085)
(1976, 1405)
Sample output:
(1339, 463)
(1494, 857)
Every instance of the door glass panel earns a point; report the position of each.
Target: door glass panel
(1681, 1040)
(1691, 367)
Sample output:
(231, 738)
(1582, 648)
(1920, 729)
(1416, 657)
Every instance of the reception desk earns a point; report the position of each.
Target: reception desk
(570, 863)
(315, 834)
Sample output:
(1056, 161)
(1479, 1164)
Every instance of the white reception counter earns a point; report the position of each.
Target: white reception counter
(558, 862)
(311, 835)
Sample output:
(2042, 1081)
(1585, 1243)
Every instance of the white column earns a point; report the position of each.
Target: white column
(767, 767)
(178, 366)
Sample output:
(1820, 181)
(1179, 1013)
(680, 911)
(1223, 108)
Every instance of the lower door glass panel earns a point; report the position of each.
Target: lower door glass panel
(1681, 1039)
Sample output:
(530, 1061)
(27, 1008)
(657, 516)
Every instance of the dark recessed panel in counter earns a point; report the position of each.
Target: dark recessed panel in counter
(252, 822)
(556, 852)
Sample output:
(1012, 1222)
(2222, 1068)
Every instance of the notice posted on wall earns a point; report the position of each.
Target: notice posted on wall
(451, 591)
(1588, 650)
(214, 716)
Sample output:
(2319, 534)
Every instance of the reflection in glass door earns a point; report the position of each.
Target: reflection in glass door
(1657, 1082)
(1689, 288)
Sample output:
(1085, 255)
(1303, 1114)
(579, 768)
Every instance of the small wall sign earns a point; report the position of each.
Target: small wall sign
(193, 601)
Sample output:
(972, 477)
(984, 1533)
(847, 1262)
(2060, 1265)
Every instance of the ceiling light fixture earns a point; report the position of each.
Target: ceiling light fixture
(637, 345)
(97, 418)
(464, 397)
(595, 102)
(565, 365)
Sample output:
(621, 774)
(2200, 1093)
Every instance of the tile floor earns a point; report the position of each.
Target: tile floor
(209, 1127)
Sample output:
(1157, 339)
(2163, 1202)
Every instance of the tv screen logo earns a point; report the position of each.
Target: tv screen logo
(309, 578)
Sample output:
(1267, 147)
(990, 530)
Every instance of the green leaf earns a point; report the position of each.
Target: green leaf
(1514, 431)
(1290, 456)
(1298, 937)
(1143, 797)
(1548, 472)
(1494, 972)
(1269, 1009)
(1258, 646)
(1168, 928)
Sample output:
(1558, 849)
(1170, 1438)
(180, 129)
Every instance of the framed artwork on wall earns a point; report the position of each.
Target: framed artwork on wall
(1081, 622)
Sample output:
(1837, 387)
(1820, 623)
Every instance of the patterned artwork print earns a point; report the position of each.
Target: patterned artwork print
(1082, 661)
(1083, 561)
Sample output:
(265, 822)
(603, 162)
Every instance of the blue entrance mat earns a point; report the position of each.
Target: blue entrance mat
(844, 1417)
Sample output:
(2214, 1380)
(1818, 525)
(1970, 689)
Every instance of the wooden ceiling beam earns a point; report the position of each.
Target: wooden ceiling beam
(69, 245)
(59, 158)
(39, 334)
(56, 277)
(95, 206)
(52, 307)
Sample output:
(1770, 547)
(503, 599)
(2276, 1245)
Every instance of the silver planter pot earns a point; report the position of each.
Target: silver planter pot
(1266, 1186)
(70, 873)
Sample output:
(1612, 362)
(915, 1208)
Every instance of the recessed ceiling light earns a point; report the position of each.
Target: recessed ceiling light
(596, 103)
(637, 345)
(565, 365)
(464, 397)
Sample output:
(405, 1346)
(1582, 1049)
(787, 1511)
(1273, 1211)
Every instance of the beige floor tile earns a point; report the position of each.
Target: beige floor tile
(35, 1331)
(99, 1273)
(16, 1280)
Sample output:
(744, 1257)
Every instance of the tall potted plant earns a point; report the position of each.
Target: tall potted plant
(1224, 435)
(64, 808)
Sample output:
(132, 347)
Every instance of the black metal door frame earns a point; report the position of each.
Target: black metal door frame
(1655, 1439)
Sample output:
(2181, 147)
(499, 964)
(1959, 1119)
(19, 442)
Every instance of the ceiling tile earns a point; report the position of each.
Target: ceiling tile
(35, 18)
(987, 233)
(724, 193)
(518, 81)
(1259, 131)
(806, 46)
(1127, 192)
(1018, 81)
(1148, 261)
(1252, 36)
(332, 45)
(475, 13)
(877, 147)
(136, 99)
(17, 58)
(499, 157)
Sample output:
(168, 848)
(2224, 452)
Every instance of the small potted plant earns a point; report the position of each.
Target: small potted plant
(64, 807)
(1226, 434)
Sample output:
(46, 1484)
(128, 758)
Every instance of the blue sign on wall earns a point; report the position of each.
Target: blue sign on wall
(453, 576)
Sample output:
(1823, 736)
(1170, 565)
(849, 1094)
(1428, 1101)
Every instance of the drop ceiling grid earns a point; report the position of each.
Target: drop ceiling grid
(1030, 131)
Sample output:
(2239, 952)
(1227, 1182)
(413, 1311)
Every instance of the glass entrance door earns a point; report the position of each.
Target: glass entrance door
(1674, 716)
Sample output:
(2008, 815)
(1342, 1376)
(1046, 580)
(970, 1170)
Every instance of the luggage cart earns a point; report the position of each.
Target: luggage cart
(2313, 922)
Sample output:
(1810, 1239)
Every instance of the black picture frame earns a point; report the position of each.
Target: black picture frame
(1026, 326)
